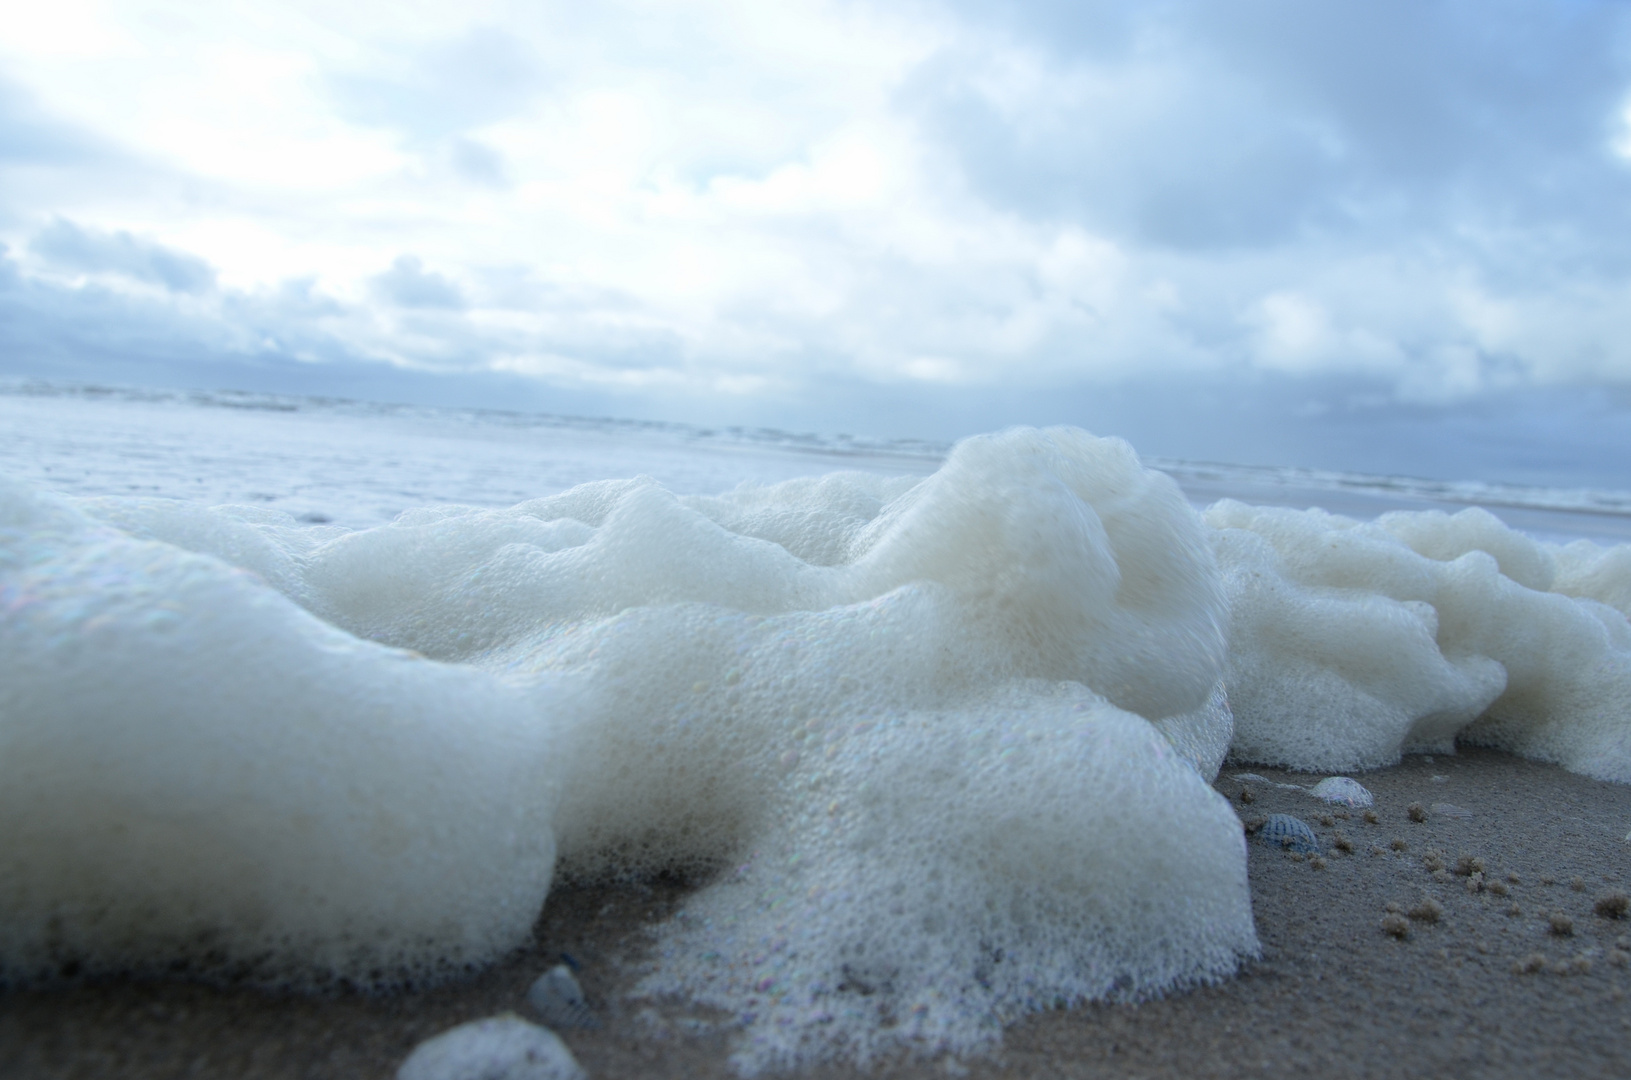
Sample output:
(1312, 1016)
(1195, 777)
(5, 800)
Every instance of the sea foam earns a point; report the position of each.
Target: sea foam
(196, 771)
(940, 749)
(1352, 642)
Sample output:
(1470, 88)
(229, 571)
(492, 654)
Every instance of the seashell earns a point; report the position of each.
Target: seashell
(1340, 789)
(498, 1048)
(1449, 810)
(556, 997)
(1291, 833)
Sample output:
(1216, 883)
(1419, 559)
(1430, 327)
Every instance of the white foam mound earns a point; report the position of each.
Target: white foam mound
(933, 874)
(954, 736)
(193, 770)
(1351, 643)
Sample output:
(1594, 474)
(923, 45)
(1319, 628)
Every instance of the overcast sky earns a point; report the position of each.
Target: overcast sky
(1367, 235)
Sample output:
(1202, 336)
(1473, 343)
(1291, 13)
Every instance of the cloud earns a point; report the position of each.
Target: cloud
(735, 206)
(70, 247)
(446, 88)
(408, 284)
(1196, 125)
(30, 136)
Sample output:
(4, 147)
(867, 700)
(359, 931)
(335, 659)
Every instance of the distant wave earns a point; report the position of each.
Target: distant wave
(1191, 475)
(1461, 492)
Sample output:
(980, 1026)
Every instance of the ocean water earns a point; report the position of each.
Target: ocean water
(312, 691)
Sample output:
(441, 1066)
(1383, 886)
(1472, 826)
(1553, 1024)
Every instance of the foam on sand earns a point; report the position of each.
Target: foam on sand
(1352, 643)
(914, 718)
(195, 770)
(941, 748)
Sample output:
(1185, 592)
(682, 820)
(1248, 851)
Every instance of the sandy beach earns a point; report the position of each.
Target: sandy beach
(1489, 988)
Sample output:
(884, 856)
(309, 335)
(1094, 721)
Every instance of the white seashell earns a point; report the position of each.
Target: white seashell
(556, 997)
(1449, 810)
(498, 1048)
(1340, 789)
(1293, 834)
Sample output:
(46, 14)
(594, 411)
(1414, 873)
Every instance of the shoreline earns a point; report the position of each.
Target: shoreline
(1332, 993)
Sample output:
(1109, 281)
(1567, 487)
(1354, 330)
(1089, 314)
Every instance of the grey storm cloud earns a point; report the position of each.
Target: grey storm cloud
(71, 247)
(1199, 125)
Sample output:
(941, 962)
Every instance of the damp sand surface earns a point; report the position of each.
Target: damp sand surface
(1333, 995)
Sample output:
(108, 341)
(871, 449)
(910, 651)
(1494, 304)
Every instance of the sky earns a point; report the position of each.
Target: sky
(1392, 236)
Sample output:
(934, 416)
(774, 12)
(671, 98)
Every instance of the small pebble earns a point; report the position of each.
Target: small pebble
(498, 1048)
(1417, 812)
(1317, 862)
(1396, 926)
(1561, 924)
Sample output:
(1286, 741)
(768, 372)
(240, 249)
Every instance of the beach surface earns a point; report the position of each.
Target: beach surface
(1480, 984)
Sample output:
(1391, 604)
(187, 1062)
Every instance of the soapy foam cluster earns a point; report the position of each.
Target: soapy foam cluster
(944, 744)
(196, 771)
(320, 754)
(1352, 643)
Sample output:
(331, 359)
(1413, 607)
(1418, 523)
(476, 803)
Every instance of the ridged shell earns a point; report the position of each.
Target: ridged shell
(1292, 834)
(556, 997)
(1340, 789)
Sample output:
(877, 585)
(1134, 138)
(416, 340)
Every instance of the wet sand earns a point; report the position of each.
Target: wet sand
(1333, 995)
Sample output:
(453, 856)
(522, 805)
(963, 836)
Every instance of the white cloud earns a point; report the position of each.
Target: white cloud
(739, 198)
